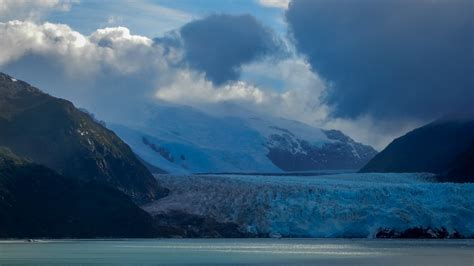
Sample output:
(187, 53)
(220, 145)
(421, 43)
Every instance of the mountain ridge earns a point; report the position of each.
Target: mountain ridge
(182, 139)
(52, 132)
(439, 147)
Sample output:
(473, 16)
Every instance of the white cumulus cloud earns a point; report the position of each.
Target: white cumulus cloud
(111, 47)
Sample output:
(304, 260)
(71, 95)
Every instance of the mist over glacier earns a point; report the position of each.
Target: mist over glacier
(340, 205)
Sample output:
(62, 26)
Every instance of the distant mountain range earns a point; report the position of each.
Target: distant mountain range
(181, 139)
(63, 174)
(444, 147)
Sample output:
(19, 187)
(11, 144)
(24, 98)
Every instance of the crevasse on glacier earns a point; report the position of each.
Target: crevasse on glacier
(342, 205)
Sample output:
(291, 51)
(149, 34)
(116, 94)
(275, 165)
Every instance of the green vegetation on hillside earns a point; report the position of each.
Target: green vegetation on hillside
(36, 202)
(52, 132)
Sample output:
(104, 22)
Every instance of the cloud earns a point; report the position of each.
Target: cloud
(283, 4)
(219, 44)
(115, 73)
(366, 129)
(191, 88)
(119, 75)
(112, 47)
(389, 59)
(31, 9)
(112, 72)
(297, 87)
(110, 66)
(298, 94)
(20, 38)
(297, 98)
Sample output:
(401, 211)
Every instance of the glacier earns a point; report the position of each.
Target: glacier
(336, 205)
(181, 139)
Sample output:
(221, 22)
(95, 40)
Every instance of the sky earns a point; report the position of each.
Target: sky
(372, 69)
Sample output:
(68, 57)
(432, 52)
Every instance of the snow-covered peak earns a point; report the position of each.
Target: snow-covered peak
(276, 126)
(184, 139)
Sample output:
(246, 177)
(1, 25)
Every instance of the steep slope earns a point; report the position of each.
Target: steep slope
(190, 141)
(431, 148)
(52, 132)
(37, 202)
(341, 152)
(462, 168)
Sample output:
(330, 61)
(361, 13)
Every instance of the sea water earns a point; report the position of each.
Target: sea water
(238, 251)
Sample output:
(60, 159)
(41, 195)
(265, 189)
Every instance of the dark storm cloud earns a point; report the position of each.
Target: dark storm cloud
(219, 44)
(389, 59)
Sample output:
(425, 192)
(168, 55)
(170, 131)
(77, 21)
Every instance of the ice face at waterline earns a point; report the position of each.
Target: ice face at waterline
(342, 205)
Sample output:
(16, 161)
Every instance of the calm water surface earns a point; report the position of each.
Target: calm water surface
(239, 251)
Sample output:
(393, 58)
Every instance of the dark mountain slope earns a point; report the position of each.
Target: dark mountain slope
(434, 148)
(36, 202)
(462, 168)
(52, 132)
